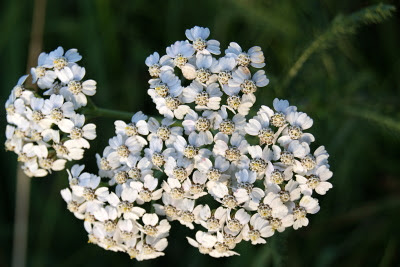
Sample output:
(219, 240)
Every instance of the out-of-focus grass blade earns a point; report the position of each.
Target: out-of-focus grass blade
(386, 122)
(340, 27)
(389, 253)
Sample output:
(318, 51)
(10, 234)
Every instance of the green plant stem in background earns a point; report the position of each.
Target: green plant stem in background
(340, 27)
(95, 112)
(22, 200)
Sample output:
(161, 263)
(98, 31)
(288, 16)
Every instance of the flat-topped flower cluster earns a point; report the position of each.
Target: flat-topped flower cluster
(207, 164)
(45, 126)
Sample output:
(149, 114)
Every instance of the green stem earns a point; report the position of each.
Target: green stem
(94, 112)
(110, 113)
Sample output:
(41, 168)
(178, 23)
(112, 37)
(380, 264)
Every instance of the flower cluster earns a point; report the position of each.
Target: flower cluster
(45, 126)
(207, 164)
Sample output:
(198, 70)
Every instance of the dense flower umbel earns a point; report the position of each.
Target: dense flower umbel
(260, 171)
(45, 129)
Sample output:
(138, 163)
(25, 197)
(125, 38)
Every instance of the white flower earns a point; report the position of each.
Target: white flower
(307, 205)
(56, 110)
(291, 192)
(75, 90)
(108, 213)
(19, 90)
(223, 245)
(157, 65)
(246, 192)
(254, 56)
(321, 156)
(212, 221)
(195, 186)
(156, 154)
(215, 174)
(103, 239)
(41, 75)
(317, 180)
(272, 206)
(187, 212)
(180, 52)
(250, 190)
(259, 229)
(54, 89)
(202, 125)
(31, 169)
(279, 118)
(73, 202)
(201, 70)
(75, 174)
(163, 131)
(138, 168)
(242, 80)
(168, 208)
(78, 131)
(88, 189)
(179, 168)
(124, 149)
(235, 152)
(147, 190)
(261, 158)
(236, 224)
(298, 121)
(58, 60)
(13, 143)
(167, 84)
(259, 126)
(241, 103)
(151, 248)
(137, 126)
(174, 188)
(50, 164)
(128, 232)
(169, 106)
(204, 242)
(199, 35)
(226, 125)
(280, 220)
(191, 150)
(105, 166)
(295, 149)
(154, 227)
(209, 98)
(224, 67)
(125, 207)
(36, 115)
(30, 151)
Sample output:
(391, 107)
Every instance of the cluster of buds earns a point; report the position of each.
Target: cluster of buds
(45, 128)
(253, 176)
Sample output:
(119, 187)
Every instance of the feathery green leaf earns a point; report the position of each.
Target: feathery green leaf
(341, 26)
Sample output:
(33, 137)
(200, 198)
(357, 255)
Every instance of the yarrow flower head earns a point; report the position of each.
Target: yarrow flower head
(259, 173)
(45, 128)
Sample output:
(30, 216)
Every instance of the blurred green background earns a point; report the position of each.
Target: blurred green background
(344, 71)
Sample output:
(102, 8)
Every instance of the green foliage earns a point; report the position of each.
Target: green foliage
(386, 122)
(340, 27)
